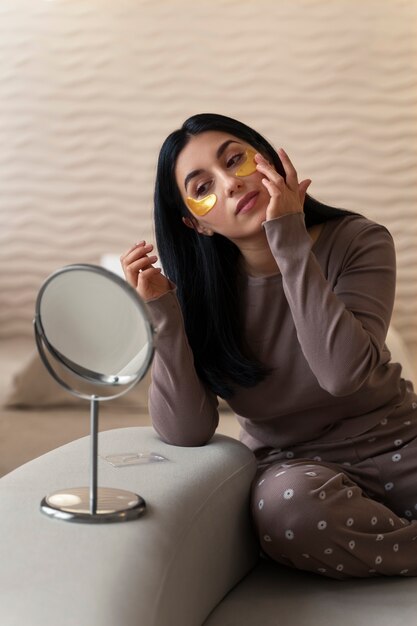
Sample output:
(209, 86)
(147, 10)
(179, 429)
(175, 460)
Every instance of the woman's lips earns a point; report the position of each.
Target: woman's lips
(247, 202)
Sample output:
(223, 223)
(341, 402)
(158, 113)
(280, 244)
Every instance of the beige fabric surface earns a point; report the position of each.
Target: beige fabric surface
(160, 570)
(273, 595)
(124, 574)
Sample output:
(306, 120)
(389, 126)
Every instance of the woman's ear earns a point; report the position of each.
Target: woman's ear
(195, 225)
(189, 223)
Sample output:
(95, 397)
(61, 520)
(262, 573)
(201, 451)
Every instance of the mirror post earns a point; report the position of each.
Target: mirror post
(93, 453)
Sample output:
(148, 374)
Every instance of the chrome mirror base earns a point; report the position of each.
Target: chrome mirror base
(112, 505)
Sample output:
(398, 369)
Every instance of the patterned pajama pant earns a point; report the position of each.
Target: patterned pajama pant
(342, 509)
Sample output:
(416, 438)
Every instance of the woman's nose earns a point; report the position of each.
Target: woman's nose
(232, 184)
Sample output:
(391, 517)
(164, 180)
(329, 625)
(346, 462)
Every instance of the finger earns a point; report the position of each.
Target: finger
(290, 171)
(273, 190)
(125, 254)
(137, 252)
(302, 189)
(259, 158)
(133, 270)
(149, 272)
(141, 264)
(149, 279)
(268, 170)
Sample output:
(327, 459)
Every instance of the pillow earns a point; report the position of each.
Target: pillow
(33, 386)
(400, 354)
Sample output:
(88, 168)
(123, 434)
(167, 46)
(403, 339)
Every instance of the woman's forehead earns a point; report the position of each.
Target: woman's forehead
(201, 150)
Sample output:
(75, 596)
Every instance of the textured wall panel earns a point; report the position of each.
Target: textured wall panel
(89, 90)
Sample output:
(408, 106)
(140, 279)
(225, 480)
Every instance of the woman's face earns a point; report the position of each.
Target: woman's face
(210, 165)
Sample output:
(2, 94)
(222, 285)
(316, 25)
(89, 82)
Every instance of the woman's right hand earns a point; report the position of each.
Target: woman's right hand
(137, 266)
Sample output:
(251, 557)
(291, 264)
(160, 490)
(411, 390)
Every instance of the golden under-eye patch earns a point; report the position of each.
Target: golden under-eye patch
(203, 206)
(249, 166)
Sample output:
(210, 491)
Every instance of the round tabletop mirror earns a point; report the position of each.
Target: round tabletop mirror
(95, 338)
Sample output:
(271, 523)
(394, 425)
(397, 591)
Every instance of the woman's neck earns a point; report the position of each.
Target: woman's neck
(257, 258)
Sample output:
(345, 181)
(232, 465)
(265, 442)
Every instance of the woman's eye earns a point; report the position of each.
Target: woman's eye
(201, 190)
(234, 160)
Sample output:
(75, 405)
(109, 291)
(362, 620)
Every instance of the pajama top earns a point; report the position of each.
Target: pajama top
(319, 323)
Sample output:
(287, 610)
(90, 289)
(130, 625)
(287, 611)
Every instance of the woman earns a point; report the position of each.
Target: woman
(281, 305)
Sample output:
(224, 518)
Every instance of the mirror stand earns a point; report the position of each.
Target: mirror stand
(95, 339)
(93, 504)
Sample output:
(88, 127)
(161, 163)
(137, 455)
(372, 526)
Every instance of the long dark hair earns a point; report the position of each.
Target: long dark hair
(205, 269)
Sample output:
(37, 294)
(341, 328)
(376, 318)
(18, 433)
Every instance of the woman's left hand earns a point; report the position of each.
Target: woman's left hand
(287, 195)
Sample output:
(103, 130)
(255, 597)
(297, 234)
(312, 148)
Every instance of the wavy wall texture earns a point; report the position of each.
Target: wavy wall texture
(89, 90)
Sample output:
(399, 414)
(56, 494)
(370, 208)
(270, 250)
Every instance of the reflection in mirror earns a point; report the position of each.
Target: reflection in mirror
(95, 338)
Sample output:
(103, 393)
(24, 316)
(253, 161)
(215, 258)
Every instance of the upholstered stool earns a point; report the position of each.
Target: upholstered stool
(169, 567)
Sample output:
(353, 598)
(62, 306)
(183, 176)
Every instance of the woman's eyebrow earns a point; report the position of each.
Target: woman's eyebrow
(219, 153)
(223, 147)
(191, 175)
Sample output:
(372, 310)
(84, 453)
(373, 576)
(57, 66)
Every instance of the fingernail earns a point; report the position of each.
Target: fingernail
(139, 243)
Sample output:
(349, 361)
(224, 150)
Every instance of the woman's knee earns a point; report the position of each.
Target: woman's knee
(292, 501)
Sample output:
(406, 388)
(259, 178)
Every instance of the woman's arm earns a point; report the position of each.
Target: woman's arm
(341, 327)
(183, 411)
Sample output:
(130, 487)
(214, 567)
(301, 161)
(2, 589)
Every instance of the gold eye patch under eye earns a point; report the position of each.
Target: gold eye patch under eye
(249, 165)
(203, 206)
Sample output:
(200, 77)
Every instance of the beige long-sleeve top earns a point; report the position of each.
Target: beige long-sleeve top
(320, 323)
